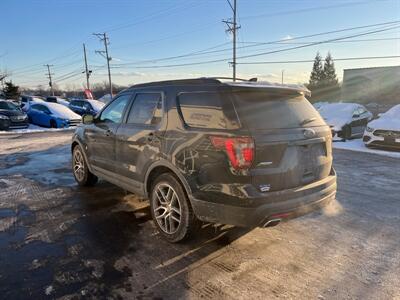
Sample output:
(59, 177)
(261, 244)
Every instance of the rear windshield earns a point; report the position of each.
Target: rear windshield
(266, 110)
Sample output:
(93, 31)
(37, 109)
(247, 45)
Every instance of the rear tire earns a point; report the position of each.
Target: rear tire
(80, 169)
(53, 124)
(171, 210)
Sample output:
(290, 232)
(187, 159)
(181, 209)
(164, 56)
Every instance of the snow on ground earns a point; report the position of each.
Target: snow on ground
(34, 128)
(358, 145)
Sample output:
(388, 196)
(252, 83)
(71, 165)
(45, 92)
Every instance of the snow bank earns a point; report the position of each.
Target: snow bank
(358, 145)
(34, 128)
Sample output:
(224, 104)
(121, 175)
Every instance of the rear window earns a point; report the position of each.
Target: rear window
(210, 110)
(266, 110)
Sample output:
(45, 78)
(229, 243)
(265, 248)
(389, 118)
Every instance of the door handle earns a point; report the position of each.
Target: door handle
(108, 132)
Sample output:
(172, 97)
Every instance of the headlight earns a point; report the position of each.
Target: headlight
(3, 117)
(369, 129)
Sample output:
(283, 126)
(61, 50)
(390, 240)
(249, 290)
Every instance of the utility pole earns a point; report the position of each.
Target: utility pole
(282, 75)
(49, 77)
(87, 71)
(103, 37)
(232, 28)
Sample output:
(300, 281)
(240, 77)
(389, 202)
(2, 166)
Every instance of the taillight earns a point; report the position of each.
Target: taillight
(240, 150)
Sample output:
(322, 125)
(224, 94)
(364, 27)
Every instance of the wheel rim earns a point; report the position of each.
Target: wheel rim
(79, 166)
(167, 208)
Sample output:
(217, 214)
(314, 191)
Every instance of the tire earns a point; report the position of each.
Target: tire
(80, 169)
(169, 199)
(53, 124)
(347, 133)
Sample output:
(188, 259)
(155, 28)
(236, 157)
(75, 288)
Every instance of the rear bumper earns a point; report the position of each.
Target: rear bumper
(283, 205)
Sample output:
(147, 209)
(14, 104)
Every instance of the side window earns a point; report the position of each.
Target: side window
(146, 109)
(86, 105)
(37, 107)
(208, 110)
(114, 112)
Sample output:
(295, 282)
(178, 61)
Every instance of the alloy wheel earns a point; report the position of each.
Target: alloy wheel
(167, 208)
(79, 166)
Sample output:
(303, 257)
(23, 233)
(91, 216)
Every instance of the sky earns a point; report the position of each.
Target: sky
(156, 39)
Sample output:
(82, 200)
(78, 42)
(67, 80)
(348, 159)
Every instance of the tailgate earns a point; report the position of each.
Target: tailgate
(286, 158)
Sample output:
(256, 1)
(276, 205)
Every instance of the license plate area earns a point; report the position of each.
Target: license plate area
(310, 154)
(390, 140)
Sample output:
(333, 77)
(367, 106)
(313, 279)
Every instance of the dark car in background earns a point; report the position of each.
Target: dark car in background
(11, 116)
(85, 106)
(55, 99)
(247, 154)
(347, 120)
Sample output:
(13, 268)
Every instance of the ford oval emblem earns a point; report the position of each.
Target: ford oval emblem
(309, 133)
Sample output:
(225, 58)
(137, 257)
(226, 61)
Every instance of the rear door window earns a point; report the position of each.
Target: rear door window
(210, 110)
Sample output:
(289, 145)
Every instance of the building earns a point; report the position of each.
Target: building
(366, 85)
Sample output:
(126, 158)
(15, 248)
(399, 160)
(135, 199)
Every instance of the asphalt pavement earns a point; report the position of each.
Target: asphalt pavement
(58, 240)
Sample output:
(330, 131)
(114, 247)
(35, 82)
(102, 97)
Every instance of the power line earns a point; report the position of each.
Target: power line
(269, 52)
(318, 43)
(312, 60)
(257, 44)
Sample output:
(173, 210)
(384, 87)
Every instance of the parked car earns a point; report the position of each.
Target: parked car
(27, 100)
(53, 115)
(86, 106)
(54, 99)
(247, 154)
(11, 116)
(347, 120)
(385, 131)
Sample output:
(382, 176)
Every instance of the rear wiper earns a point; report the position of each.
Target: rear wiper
(306, 121)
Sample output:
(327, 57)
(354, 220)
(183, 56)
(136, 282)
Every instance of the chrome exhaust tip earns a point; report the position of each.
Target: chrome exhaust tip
(272, 222)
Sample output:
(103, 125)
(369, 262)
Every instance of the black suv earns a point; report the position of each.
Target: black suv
(11, 116)
(246, 154)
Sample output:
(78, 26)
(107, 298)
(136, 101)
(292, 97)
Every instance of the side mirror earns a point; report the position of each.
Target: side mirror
(87, 119)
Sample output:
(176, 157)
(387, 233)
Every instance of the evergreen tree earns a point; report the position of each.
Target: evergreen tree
(11, 91)
(317, 73)
(329, 78)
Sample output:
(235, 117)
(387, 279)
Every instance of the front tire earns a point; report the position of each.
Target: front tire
(53, 124)
(80, 169)
(347, 132)
(171, 210)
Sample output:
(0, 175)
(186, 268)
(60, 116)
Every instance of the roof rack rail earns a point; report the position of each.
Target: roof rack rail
(240, 79)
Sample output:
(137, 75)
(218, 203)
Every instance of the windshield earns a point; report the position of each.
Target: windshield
(266, 110)
(8, 106)
(393, 112)
(337, 110)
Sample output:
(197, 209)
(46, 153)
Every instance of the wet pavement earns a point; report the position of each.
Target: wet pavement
(58, 240)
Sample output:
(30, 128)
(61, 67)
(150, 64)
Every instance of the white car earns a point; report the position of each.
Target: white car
(385, 131)
(347, 120)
